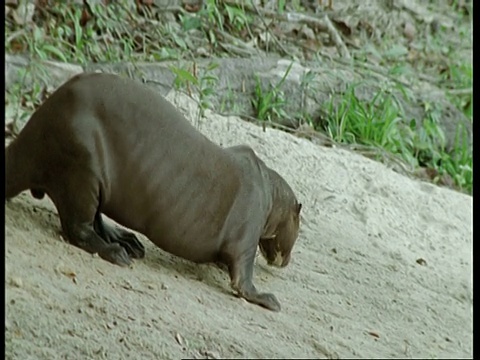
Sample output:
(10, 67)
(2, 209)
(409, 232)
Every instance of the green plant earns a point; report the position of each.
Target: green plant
(237, 17)
(458, 78)
(214, 19)
(460, 164)
(21, 100)
(228, 102)
(269, 104)
(216, 16)
(429, 147)
(380, 123)
(306, 86)
(60, 36)
(203, 83)
(369, 123)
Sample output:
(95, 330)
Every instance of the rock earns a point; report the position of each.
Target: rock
(409, 31)
(16, 281)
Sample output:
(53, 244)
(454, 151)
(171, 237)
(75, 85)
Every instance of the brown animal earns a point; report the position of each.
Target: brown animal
(105, 144)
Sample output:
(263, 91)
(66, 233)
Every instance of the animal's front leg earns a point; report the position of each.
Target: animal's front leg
(241, 274)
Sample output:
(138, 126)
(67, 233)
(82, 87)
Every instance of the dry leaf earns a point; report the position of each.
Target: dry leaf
(179, 339)
(68, 273)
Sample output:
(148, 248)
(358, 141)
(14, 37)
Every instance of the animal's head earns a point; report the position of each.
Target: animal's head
(283, 223)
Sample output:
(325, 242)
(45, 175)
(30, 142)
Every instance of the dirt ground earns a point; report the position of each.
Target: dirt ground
(382, 268)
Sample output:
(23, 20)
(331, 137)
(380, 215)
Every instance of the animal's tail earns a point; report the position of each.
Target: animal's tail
(16, 178)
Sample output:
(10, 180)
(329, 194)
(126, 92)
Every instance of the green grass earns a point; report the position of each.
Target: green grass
(381, 123)
(115, 34)
(459, 76)
(269, 104)
(202, 80)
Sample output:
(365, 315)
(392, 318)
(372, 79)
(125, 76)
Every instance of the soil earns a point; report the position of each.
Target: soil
(382, 268)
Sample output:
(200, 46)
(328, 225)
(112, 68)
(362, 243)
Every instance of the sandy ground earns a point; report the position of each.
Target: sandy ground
(382, 268)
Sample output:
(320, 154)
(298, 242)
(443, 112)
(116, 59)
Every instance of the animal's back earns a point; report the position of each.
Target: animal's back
(94, 120)
(152, 170)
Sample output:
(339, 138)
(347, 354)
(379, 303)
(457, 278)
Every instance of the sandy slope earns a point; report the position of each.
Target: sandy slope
(353, 289)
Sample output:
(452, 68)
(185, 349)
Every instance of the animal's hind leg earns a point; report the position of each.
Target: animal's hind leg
(76, 199)
(16, 173)
(113, 234)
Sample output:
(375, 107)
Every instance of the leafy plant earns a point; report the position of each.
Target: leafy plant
(25, 99)
(203, 83)
(369, 123)
(269, 104)
(237, 17)
(381, 123)
(459, 78)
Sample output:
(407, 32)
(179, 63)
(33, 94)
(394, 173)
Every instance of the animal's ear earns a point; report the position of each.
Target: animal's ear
(299, 207)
